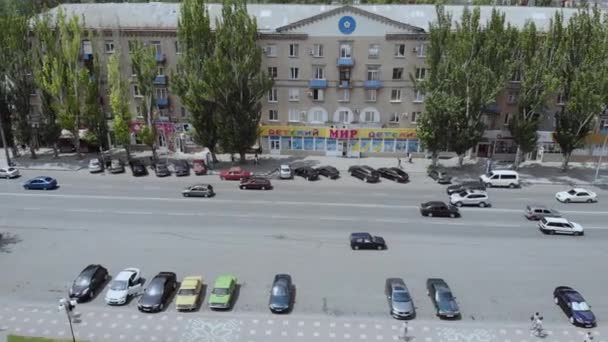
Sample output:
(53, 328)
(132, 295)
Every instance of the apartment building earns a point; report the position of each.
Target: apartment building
(343, 74)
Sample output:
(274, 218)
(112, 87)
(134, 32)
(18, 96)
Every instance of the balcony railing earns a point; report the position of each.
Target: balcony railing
(160, 57)
(372, 84)
(160, 80)
(161, 102)
(346, 62)
(344, 84)
(317, 84)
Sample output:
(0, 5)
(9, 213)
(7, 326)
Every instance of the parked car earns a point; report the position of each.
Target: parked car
(223, 292)
(475, 185)
(198, 190)
(234, 173)
(88, 283)
(285, 172)
(281, 294)
(576, 195)
(329, 172)
(199, 167)
(439, 176)
(400, 302)
(366, 241)
(500, 178)
(365, 173)
(559, 225)
(255, 183)
(394, 174)
(438, 208)
(9, 172)
(182, 168)
(442, 298)
(158, 293)
(574, 306)
(470, 197)
(307, 173)
(95, 165)
(536, 212)
(127, 283)
(117, 166)
(189, 293)
(162, 169)
(138, 168)
(40, 183)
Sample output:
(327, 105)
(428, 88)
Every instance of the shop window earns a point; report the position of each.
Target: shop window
(320, 144)
(332, 145)
(285, 143)
(401, 146)
(412, 146)
(389, 145)
(309, 144)
(297, 143)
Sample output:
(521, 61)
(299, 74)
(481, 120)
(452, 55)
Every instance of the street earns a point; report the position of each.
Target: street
(499, 266)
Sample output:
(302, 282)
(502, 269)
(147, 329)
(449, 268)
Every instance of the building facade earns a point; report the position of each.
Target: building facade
(343, 74)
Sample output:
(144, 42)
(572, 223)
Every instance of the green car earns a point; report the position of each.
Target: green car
(223, 292)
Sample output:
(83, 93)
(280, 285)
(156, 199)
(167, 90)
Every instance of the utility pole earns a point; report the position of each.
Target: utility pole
(68, 305)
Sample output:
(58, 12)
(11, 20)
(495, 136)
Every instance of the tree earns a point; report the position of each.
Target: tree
(144, 67)
(238, 83)
(119, 103)
(197, 44)
(93, 116)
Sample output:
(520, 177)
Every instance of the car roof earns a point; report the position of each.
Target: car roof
(580, 190)
(556, 219)
(361, 234)
(200, 184)
(572, 295)
(434, 203)
(189, 282)
(89, 270)
(437, 282)
(536, 206)
(236, 168)
(224, 280)
(124, 274)
(395, 282)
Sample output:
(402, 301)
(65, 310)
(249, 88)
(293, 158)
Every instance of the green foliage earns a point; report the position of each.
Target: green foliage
(119, 103)
(147, 135)
(145, 68)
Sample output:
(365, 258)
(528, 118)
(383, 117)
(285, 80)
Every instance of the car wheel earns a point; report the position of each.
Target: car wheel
(205, 195)
(590, 201)
(263, 188)
(571, 319)
(488, 185)
(458, 204)
(380, 248)
(242, 187)
(365, 179)
(482, 204)
(161, 307)
(186, 195)
(356, 247)
(567, 200)
(26, 187)
(222, 178)
(551, 232)
(512, 186)
(452, 215)
(429, 214)
(91, 294)
(578, 234)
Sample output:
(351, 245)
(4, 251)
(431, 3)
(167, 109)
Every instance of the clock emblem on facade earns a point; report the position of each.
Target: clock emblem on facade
(347, 25)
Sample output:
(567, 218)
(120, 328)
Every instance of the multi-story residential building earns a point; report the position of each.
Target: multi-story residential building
(343, 74)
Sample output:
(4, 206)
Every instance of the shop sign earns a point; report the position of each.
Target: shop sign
(332, 133)
(287, 131)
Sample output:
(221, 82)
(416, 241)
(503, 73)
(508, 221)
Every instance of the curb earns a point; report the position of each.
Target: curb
(49, 169)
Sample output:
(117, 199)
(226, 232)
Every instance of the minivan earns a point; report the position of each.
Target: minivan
(500, 178)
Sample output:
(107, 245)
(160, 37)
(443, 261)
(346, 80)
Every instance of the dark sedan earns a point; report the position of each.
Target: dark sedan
(366, 241)
(439, 176)
(442, 298)
(394, 174)
(40, 183)
(329, 172)
(138, 169)
(182, 168)
(437, 208)
(255, 183)
(281, 294)
(162, 170)
(158, 293)
(89, 282)
(364, 173)
(307, 173)
(574, 306)
(473, 185)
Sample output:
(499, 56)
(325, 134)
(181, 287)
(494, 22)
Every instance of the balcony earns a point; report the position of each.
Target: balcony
(161, 102)
(87, 56)
(317, 84)
(344, 84)
(160, 80)
(346, 62)
(160, 57)
(372, 84)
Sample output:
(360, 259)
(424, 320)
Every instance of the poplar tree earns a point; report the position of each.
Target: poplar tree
(119, 103)
(145, 69)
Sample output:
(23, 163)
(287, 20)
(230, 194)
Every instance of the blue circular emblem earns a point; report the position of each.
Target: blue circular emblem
(347, 25)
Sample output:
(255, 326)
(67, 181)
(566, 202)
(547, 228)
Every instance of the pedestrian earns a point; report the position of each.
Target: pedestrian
(256, 161)
(399, 162)
(405, 331)
(588, 337)
(409, 157)
(232, 159)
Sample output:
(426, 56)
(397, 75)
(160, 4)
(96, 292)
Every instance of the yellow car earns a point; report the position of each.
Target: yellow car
(189, 293)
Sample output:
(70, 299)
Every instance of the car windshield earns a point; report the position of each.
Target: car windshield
(572, 192)
(220, 291)
(279, 291)
(82, 281)
(462, 194)
(580, 306)
(119, 285)
(10, 169)
(445, 296)
(48, 179)
(490, 174)
(155, 289)
(401, 296)
(186, 292)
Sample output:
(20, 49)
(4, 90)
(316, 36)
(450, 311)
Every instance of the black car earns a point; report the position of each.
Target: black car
(440, 176)
(366, 241)
(162, 170)
(138, 168)
(442, 298)
(90, 281)
(328, 171)
(438, 208)
(394, 174)
(281, 294)
(574, 306)
(365, 173)
(158, 293)
(182, 168)
(474, 185)
(307, 172)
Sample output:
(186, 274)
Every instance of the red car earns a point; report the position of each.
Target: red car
(234, 173)
(255, 183)
(199, 167)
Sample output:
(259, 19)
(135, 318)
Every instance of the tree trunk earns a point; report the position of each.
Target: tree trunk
(33, 152)
(460, 160)
(15, 151)
(242, 157)
(55, 150)
(128, 152)
(434, 158)
(566, 160)
(518, 156)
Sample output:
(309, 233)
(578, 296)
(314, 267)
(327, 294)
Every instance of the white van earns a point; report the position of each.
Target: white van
(500, 178)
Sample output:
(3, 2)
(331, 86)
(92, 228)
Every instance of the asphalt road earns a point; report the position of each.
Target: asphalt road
(499, 266)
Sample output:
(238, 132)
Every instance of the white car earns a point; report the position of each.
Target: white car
(126, 283)
(470, 197)
(9, 172)
(559, 225)
(95, 166)
(285, 172)
(576, 195)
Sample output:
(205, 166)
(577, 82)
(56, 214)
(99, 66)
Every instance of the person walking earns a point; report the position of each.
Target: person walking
(406, 329)
(588, 337)
(409, 157)
(256, 161)
(399, 162)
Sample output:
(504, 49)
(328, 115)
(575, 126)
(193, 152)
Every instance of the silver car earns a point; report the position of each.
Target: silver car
(400, 302)
(470, 197)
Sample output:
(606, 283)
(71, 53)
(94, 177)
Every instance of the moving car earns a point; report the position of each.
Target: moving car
(9, 172)
(126, 284)
(234, 173)
(470, 197)
(574, 306)
(366, 241)
(88, 283)
(307, 172)
(285, 172)
(117, 166)
(162, 169)
(255, 183)
(222, 295)
(40, 183)
(138, 168)
(158, 293)
(438, 208)
(198, 190)
(182, 168)
(559, 225)
(199, 167)
(476, 185)
(442, 298)
(189, 293)
(95, 165)
(536, 212)
(439, 176)
(394, 173)
(365, 173)
(281, 294)
(329, 172)
(579, 195)
(500, 178)
(400, 302)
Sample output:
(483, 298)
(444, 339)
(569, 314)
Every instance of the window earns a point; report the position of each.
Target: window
(344, 75)
(294, 73)
(395, 95)
(343, 116)
(397, 73)
(344, 95)
(420, 73)
(317, 116)
(272, 72)
(317, 50)
(368, 116)
(373, 51)
(400, 50)
(370, 95)
(603, 123)
(394, 118)
(109, 46)
(161, 93)
(294, 115)
(273, 95)
(293, 50)
(294, 94)
(273, 115)
(421, 50)
(157, 48)
(516, 78)
(184, 112)
(511, 98)
(414, 117)
(160, 71)
(136, 91)
(373, 73)
(507, 119)
(271, 50)
(139, 111)
(178, 50)
(132, 44)
(345, 50)
(317, 94)
(318, 73)
(419, 96)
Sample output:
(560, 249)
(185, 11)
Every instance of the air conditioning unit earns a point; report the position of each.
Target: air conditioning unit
(404, 114)
(415, 49)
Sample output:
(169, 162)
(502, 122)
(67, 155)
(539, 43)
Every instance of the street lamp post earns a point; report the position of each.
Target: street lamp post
(68, 305)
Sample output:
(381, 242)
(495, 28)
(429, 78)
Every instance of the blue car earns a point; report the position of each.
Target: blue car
(40, 183)
(574, 306)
